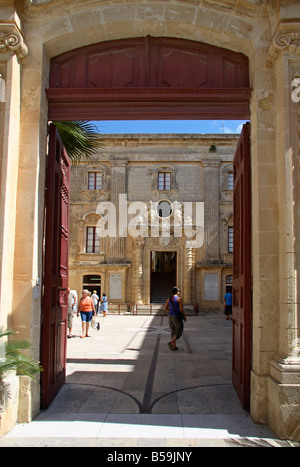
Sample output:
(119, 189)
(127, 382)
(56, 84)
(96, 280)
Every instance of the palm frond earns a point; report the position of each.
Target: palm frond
(15, 359)
(80, 139)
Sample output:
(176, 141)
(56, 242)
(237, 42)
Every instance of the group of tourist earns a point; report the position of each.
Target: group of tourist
(89, 305)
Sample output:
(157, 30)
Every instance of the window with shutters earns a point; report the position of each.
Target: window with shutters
(230, 239)
(229, 280)
(164, 181)
(92, 240)
(95, 181)
(230, 181)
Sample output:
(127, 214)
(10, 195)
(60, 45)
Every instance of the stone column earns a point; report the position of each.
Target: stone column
(25, 136)
(137, 271)
(12, 50)
(118, 186)
(211, 210)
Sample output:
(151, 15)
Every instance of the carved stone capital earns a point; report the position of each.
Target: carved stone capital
(286, 38)
(138, 244)
(11, 39)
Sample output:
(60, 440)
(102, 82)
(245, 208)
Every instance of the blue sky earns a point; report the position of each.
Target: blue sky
(170, 126)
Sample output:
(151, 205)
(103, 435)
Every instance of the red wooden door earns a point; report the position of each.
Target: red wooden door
(55, 281)
(242, 273)
(149, 77)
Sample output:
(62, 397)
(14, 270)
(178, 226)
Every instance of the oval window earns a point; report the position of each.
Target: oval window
(164, 209)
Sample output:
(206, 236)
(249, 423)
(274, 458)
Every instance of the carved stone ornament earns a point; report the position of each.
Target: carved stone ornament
(288, 39)
(172, 192)
(96, 195)
(165, 242)
(11, 39)
(138, 243)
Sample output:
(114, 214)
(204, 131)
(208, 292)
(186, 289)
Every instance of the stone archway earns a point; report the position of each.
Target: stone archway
(148, 78)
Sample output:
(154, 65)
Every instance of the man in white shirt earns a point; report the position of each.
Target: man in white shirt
(95, 299)
(71, 303)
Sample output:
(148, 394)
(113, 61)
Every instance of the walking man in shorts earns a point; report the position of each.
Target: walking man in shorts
(174, 307)
(228, 304)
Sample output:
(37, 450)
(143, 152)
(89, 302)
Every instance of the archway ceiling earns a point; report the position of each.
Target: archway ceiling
(153, 78)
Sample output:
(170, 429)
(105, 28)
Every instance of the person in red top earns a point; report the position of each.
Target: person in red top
(86, 309)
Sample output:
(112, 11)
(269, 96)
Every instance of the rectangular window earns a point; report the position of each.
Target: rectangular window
(95, 181)
(230, 181)
(164, 181)
(92, 240)
(230, 239)
(229, 280)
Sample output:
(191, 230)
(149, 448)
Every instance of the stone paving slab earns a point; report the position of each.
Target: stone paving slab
(124, 387)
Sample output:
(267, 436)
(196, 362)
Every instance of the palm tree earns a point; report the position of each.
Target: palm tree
(80, 139)
(13, 359)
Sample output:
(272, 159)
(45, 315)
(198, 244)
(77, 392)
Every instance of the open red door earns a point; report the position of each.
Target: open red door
(55, 281)
(242, 271)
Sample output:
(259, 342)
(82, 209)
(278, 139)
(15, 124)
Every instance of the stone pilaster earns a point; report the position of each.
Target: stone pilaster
(118, 186)
(211, 210)
(284, 381)
(137, 271)
(275, 378)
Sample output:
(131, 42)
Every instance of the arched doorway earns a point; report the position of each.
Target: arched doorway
(161, 78)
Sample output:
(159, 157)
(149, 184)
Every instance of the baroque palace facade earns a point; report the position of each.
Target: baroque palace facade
(175, 193)
(144, 59)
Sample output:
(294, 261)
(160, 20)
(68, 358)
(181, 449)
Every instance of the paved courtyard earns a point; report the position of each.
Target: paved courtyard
(124, 387)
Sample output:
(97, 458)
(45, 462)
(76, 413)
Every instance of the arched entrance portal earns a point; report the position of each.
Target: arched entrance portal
(141, 78)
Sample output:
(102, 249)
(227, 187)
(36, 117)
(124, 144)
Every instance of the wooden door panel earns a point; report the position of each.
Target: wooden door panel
(242, 271)
(149, 77)
(55, 277)
(149, 62)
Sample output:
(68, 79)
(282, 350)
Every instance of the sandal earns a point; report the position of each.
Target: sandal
(170, 346)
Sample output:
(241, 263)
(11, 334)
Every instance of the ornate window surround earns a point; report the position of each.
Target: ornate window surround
(227, 221)
(226, 193)
(158, 194)
(96, 243)
(95, 194)
(89, 220)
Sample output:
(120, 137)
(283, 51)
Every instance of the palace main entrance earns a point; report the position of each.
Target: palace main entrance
(163, 275)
